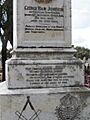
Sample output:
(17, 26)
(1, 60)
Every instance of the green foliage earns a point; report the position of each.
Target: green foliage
(82, 52)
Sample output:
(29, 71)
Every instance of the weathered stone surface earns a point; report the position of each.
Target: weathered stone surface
(43, 62)
(42, 24)
(45, 53)
(45, 104)
(44, 73)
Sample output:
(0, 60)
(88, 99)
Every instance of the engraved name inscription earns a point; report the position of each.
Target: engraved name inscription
(40, 19)
(47, 75)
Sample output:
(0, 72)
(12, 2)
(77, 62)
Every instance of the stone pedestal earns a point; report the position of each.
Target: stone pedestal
(44, 73)
(64, 103)
(43, 79)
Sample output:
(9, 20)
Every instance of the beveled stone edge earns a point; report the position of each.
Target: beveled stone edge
(18, 61)
(5, 91)
(41, 50)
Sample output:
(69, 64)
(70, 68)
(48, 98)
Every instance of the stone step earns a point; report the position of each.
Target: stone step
(71, 103)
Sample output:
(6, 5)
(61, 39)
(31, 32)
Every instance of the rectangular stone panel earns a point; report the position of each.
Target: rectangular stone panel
(45, 104)
(44, 73)
(41, 23)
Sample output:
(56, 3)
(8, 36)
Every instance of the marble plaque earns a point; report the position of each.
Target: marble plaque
(42, 23)
(44, 73)
(45, 104)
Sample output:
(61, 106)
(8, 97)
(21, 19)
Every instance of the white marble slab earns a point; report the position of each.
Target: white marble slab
(45, 104)
(44, 73)
(42, 24)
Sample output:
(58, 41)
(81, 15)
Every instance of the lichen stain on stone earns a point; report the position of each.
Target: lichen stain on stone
(77, 83)
(72, 68)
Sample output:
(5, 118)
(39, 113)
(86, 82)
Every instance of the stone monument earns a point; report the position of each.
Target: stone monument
(43, 79)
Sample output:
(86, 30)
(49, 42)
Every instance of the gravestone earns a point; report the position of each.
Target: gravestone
(42, 42)
(43, 79)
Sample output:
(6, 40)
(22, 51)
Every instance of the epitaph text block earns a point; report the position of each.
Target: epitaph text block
(44, 73)
(42, 23)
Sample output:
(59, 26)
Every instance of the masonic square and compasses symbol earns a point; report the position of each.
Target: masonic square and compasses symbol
(33, 117)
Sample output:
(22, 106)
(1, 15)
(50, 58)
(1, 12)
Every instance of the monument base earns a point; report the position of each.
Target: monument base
(26, 73)
(44, 53)
(69, 103)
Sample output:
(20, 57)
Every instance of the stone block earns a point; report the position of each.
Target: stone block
(44, 73)
(40, 24)
(45, 53)
(45, 104)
